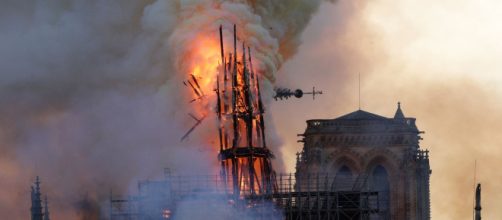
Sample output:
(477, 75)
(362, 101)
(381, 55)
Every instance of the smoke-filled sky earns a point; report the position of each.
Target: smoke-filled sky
(90, 90)
(440, 59)
(92, 98)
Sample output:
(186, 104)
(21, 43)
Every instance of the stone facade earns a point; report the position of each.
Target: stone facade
(378, 153)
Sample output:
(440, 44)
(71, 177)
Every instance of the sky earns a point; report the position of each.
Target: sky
(90, 91)
(440, 59)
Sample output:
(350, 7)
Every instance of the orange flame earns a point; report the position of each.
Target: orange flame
(204, 62)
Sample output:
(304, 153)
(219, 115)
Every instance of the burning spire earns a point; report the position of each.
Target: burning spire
(244, 156)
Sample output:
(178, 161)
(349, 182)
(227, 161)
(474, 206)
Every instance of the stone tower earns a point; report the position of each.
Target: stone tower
(378, 153)
(36, 202)
(46, 209)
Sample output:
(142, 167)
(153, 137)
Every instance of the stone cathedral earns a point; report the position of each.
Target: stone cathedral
(368, 152)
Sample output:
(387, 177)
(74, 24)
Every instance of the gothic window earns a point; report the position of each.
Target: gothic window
(343, 179)
(380, 183)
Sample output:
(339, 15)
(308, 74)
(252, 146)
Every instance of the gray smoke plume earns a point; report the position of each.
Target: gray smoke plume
(90, 91)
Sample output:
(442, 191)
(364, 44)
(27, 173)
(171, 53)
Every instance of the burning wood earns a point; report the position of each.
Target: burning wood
(196, 89)
(244, 156)
(198, 121)
(243, 153)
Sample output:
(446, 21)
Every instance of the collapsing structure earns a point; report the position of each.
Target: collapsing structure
(244, 156)
(246, 172)
(358, 166)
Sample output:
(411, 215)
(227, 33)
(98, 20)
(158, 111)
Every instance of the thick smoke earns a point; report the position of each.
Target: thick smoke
(214, 207)
(440, 59)
(90, 91)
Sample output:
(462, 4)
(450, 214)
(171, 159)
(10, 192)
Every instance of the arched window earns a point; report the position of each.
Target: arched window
(380, 183)
(343, 179)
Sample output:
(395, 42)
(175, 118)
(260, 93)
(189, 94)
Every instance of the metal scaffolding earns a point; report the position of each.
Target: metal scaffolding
(314, 196)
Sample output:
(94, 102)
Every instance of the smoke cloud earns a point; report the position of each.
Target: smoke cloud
(91, 96)
(440, 59)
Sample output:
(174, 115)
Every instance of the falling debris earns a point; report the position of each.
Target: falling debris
(197, 123)
(194, 85)
(285, 93)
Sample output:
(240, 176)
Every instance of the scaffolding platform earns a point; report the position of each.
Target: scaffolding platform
(309, 197)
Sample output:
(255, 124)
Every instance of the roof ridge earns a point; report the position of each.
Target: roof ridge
(361, 115)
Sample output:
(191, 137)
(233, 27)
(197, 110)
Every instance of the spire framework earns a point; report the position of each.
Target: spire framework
(244, 156)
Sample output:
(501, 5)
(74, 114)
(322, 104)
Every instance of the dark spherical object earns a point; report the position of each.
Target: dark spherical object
(298, 93)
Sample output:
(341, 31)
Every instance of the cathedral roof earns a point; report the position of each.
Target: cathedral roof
(361, 115)
(361, 121)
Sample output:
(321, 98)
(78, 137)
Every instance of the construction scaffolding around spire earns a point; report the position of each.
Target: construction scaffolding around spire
(312, 196)
(244, 156)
